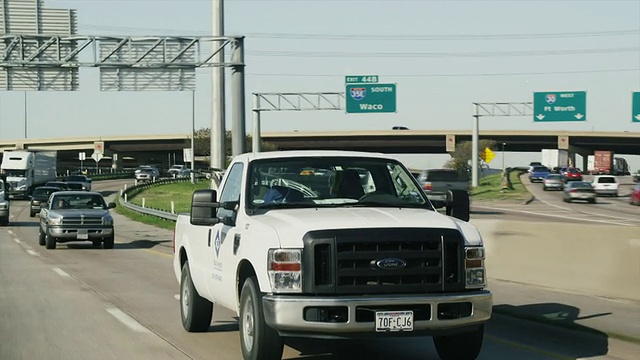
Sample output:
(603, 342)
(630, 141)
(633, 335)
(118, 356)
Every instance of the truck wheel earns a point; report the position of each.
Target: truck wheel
(195, 311)
(465, 346)
(257, 339)
(41, 237)
(4, 221)
(109, 242)
(50, 241)
(32, 214)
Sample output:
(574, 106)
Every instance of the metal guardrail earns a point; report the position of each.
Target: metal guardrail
(146, 210)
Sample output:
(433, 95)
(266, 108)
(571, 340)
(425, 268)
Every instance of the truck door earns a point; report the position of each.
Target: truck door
(220, 257)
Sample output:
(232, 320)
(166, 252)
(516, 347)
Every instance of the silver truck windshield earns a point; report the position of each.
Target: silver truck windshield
(76, 202)
(339, 181)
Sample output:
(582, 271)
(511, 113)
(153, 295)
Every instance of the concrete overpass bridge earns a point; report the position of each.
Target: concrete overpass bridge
(167, 149)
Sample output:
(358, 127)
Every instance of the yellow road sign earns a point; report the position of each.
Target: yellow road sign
(488, 155)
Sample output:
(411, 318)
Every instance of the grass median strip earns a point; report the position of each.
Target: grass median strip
(160, 197)
(490, 188)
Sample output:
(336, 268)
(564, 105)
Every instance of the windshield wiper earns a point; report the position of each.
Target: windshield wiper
(285, 206)
(386, 204)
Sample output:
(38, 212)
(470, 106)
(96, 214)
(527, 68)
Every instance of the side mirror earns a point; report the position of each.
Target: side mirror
(204, 208)
(112, 205)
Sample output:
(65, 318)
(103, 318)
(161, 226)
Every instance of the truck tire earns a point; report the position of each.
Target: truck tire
(464, 346)
(4, 221)
(108, 242)
(196, 312)
(41, 237)
(50, 242)
(257, 340)
(460, 205)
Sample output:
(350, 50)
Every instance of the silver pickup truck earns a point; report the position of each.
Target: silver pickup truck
(76, 216)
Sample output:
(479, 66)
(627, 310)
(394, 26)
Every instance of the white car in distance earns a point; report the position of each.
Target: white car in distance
(606, 185)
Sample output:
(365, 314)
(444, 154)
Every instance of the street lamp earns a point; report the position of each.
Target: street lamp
(503, 144)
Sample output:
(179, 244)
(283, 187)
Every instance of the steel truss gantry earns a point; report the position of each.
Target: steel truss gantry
(115, 51)
(126, 63)
(492, 110)
(302, 101)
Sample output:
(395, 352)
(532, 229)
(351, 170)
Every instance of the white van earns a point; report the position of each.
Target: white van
(606, 185)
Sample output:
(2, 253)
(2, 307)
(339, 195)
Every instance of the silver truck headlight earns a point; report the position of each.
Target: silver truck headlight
(475, 274)
(55, 221)
(107, 220)
(285, 270)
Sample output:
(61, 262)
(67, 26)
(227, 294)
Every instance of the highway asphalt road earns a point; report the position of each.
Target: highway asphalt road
(78, 302)
(549, 206)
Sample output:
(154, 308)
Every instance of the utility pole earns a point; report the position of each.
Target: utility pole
(193, 135)
(25, 114)
(218, 119)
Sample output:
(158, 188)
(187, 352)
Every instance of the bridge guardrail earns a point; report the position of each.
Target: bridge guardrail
(134, 190)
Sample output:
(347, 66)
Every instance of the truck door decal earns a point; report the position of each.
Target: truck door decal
(217, 242)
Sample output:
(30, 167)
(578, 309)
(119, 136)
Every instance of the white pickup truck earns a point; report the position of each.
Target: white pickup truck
(329, 244)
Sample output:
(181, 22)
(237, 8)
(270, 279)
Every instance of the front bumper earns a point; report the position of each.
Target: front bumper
(80, 234)
(17, 193)
(286, 313)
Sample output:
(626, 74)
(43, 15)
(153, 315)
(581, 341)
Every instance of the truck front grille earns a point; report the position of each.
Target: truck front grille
(82, 221)
(351, 261)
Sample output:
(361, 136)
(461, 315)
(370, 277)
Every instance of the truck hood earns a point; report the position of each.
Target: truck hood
(77, 213)
(292, 224)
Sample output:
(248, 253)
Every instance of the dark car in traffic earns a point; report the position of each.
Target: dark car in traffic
(40, 196)
(59, 184)
(83, 180)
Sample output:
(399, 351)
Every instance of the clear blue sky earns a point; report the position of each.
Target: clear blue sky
(443, 55)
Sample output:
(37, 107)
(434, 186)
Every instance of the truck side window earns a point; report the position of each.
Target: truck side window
(232, 189)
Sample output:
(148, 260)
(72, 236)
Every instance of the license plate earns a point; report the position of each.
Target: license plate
(387, 321)
(83, 236)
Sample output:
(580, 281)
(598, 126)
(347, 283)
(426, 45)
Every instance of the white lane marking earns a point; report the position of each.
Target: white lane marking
(587, 212)
(10, 232)
(177, 297)
(127, 320)
(17, 240)
(31, 252)
(60, 272)
(555, 216)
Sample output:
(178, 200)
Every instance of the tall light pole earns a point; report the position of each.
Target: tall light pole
(193, 135)
(25, 114)
(503, 144)
(218, 119)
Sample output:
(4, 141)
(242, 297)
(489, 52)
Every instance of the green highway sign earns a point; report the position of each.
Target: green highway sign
(370, 98)
(635, 113)
(559, 106)
(360, 79)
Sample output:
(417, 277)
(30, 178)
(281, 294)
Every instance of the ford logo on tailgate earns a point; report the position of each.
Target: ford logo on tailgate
(390, 263)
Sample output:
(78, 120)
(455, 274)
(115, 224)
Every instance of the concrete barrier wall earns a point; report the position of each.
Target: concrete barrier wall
(597, 259)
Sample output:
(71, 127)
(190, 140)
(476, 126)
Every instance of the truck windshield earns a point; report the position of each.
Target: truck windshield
(14, 173)
(337, 181)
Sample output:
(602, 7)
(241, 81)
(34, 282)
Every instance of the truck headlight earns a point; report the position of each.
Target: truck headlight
(285, 270)
(107, 220)
(475, 274)
(4, 205)
(55, 221)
